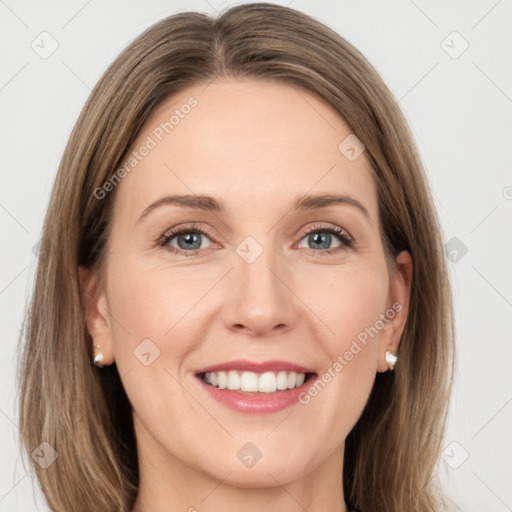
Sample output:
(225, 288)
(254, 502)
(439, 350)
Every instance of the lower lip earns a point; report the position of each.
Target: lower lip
(261, 403)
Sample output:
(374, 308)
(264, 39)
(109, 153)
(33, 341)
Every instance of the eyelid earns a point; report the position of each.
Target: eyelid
(186, 226)
(324, 225)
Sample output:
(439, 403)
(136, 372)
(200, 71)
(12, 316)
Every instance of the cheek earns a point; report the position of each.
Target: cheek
(153, 334)
(353, 306)
(151, 304)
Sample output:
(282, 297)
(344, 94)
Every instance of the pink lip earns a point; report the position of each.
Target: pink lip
(256, 403)
(252, 366)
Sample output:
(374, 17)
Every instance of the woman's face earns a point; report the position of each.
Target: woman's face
(270, 282)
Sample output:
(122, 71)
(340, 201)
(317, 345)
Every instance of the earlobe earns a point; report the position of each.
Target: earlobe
(398, 307)
(97, 318)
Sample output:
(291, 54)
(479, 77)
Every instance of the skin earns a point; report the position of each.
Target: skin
(257, 146)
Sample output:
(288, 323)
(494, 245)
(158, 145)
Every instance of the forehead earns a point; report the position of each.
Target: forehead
(253, 143)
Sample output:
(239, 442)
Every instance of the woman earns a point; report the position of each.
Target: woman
(189, 345)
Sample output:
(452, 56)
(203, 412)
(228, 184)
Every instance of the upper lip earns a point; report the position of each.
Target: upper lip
(256, 367)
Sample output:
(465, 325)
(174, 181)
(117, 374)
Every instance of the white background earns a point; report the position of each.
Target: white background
(460, 112)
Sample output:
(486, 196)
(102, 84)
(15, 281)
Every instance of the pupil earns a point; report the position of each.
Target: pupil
(189, 240)
(316, 237)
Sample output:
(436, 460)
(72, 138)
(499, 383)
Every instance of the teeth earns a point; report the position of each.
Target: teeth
(282, 381)
(248, 381)
(223, 380)
(233, 380)
(267, 382)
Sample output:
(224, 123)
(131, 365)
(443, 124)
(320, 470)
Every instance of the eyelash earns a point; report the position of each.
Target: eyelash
(346, 241)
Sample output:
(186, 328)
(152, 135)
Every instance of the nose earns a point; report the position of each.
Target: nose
(259, 297)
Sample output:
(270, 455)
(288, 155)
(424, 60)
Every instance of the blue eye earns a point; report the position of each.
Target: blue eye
(188, 240)
(321, 237)
(189, 243)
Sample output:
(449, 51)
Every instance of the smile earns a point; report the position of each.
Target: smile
(255, 387)
(268, 382)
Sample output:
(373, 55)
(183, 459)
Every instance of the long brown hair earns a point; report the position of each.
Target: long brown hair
(82, 411)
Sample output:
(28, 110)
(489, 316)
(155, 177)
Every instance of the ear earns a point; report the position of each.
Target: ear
(97, 317)
(398, 307)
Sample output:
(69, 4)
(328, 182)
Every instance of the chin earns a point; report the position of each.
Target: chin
(260, 476)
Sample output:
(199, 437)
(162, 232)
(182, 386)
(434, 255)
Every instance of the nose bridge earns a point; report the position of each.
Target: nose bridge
(258, 296)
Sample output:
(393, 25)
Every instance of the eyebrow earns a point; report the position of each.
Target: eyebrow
(211, 204)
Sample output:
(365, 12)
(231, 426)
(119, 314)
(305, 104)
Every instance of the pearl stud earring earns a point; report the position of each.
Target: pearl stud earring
(98, 358)
(391, 359)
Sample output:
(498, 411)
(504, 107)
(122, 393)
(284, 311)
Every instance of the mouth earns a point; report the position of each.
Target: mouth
(251, 387)
(256, 383)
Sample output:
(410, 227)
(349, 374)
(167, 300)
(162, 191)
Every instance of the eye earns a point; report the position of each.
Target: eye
(188, 240)
(321, 237)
